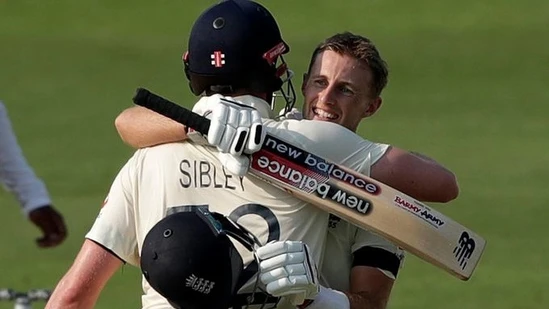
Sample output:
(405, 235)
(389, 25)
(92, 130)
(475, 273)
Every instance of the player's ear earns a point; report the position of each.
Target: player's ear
(304, 83)
(373, 107)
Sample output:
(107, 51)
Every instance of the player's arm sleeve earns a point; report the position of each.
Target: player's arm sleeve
(373, 152)
(330, 141)
(115, 227)
(15, 172)
(370, 249)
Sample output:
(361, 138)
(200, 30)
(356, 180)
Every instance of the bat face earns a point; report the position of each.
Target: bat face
(311, 174)
(371, 205)
(361, 200)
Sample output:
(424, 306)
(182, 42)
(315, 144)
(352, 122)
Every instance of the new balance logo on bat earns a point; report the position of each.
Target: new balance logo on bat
(464, 249)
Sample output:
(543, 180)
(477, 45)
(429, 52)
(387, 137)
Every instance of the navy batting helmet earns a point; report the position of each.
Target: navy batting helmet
(234, 45)
(188, 258)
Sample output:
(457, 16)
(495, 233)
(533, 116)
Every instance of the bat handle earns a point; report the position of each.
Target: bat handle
(147, 99)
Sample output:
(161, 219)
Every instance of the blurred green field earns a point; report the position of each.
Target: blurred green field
(468, 86)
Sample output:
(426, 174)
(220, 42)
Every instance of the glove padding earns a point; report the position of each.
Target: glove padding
(293, 114)
(287, 269)
(235, 130)
(236, 165)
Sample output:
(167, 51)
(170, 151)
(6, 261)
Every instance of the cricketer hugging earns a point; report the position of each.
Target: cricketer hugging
(264, 236)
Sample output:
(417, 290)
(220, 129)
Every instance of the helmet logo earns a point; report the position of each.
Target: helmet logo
(218, 59)
(272, 54)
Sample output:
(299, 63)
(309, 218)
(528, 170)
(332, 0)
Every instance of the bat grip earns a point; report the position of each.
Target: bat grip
(147, 99)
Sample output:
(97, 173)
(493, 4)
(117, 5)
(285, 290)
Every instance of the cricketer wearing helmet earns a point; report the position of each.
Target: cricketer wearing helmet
(196, 272)
(343, 85)
(169, 178)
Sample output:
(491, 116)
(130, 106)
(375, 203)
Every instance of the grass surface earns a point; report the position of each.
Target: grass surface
(468, 86)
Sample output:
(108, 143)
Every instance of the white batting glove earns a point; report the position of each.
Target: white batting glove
(287, 269)
(236, 165)
(293, 114)
(235, 130)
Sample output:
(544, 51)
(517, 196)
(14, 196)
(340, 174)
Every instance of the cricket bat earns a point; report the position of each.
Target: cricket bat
(356, 198)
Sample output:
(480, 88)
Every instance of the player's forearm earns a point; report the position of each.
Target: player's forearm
(68, 296)
(365, 300)
(81, 285)
(370, 287)
(329, 298)
(424, 157)
(66, 302)
(140, 127)
(421, 178)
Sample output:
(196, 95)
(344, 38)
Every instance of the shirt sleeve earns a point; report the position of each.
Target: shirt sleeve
(342, 146)
(15, 173)
(375, 152)
(370, 249)
(330, 141)
(115, 226)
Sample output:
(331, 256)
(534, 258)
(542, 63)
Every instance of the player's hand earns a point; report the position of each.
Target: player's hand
(235, 128)
(293, 114)
(287, 269)
(52, 225)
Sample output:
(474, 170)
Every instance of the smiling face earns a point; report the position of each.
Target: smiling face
(338, 89)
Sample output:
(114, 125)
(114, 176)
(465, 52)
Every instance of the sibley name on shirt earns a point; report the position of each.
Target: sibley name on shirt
(205, 174)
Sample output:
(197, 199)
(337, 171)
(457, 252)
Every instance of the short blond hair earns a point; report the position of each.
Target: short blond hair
(360, 48)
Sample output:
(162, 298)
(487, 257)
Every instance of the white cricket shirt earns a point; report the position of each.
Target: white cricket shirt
(159, 179)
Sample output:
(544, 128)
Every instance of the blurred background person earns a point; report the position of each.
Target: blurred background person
(461, 71)
(18, 177)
